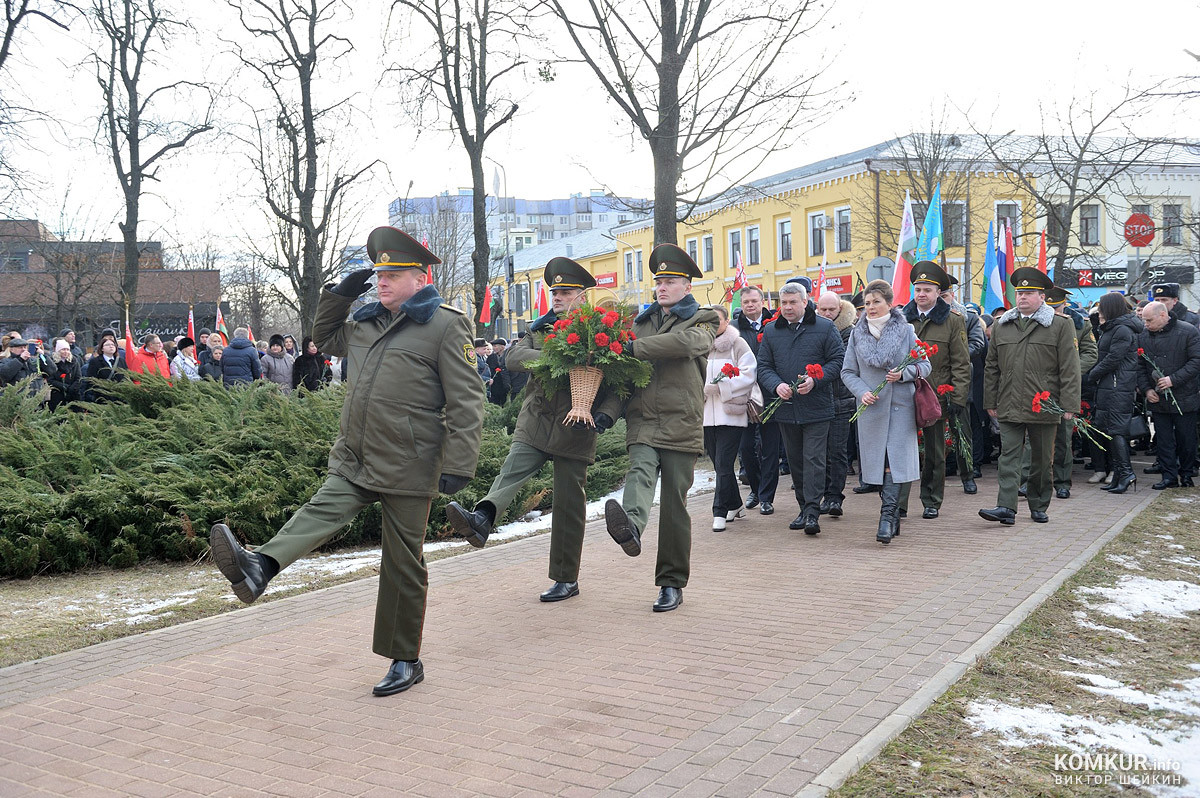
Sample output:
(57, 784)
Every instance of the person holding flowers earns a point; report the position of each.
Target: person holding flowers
(541, 435)
(665, 421)
(732, 369)
(1169, 375)
(799, 360)
(935, 322)
(1032, 350)
(1114, 378)
(882, 361)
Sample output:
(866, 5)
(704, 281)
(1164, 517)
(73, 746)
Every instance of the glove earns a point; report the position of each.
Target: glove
(629, 348)
(603, 421)
(711, 389)
(355, 284)
(450, 484)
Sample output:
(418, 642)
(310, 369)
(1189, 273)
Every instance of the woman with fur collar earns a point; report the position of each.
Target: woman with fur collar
(887, 428)
(726, 400)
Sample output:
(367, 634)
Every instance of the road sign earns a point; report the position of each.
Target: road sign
(1139, 230)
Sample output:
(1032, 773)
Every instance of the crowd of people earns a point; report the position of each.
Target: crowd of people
(73, 374)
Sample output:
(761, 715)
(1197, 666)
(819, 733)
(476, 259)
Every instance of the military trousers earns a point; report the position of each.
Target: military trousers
(933, 468)
(1064, 458)
(677, 470)
(1040, 486)
(570, 500)
(403, 579)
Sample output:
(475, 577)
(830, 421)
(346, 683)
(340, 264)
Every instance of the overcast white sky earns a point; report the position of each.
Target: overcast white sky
(899, 60)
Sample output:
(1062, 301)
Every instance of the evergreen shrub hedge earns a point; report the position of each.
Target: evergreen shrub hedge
(146, 474)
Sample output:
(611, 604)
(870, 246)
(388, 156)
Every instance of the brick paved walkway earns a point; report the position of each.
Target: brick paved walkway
(792, 659)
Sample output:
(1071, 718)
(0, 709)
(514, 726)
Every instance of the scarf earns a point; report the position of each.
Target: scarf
(875, 326)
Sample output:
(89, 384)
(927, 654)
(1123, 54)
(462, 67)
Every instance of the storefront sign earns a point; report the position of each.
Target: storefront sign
(607, 280)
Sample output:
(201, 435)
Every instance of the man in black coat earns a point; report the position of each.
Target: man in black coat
(1172, 389)
(799, 339)
(760, 442)
(1168, 295)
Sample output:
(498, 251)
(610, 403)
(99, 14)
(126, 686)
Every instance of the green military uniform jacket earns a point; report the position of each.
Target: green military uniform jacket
(540, 423)
(669, 412)
(1085, 340)
(414, 410)
(1021, 363)
(951, 364)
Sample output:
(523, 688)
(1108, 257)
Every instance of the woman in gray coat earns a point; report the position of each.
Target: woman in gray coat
(887, 428)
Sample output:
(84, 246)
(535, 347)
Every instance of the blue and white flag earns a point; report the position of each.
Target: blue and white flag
(993, 283)
(931, 232)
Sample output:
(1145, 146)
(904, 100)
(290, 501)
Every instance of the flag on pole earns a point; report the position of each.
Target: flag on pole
(191, 325)
(739, 280)
(485, 309)
(906, 243)
(859, 285)
(429, 269)
(543, 303)
(250, 334)
(128, 337)
(931, 231)
(1042, 254)
(819, 286)
(993, 286)
(220, 327)
(1008, 264)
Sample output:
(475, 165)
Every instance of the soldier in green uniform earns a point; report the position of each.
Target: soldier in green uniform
(666, 421)
(1032, 350)
(410, 427)
(935, 322)
(540, 436)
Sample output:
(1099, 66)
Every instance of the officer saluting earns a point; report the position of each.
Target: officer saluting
(1032, 350)
(540, 435)
(665, 421)
(410, 427)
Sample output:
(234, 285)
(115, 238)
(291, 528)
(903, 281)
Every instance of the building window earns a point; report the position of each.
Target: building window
(954, 224)
(1054, 223)
(735, 246)
(603, 217)
(816, 234)
(753, 255)
(692, 250)
(639, 265)
(629, 267)
(708, 253)
(585, 217)
(1009, 212)
(843, 230)
(622, 217)
(1172, 231)
(1089, 225)
(562, 220)
(785, 239)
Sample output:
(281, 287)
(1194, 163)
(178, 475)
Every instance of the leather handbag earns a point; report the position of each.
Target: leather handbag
(1138, 426)
(754, 407)
(927, 406)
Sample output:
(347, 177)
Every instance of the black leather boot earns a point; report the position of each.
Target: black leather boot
(1123, 471)
(889, 510)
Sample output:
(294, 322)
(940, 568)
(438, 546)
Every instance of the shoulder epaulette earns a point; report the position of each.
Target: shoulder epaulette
(456, 310)
(956, 311)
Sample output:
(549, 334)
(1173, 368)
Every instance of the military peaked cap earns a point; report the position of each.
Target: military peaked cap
(391, 250)
(1057, 295)
(668, 260)
(566, 273)
(1028, 278)
(857, 301)
(926, 271)
(1165, 289)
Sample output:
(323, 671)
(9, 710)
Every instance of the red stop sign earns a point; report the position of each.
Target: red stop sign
(1139, 230)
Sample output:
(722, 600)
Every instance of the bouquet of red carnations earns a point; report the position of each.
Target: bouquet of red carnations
(920, 352)
(813, 370)
(1042, 403)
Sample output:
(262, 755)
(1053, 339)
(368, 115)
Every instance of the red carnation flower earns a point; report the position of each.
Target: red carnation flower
(945, 389)
(328, 363)
(549, 336)
(602, 339)
(610, 319)
(814, 370)
(573, 338)
(730, 370)
(760, 338)
(1141, 351)
(497, 371)
(616, 347)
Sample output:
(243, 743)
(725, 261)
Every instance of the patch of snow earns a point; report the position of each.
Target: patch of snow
(1083, 663)
(1081, 619)
(1138, 595)
(915, 764)
(1027, 726)
(1097, 681)
(1185, 500)
(1170, 517)
(1186, 562)
(1184, 700)
(1128, 563)
(133, 614)
(1165, 537)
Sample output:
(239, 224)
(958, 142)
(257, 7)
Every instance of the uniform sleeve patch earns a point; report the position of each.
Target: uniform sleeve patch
(469, 353)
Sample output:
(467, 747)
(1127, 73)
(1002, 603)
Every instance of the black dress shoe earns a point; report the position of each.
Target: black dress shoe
(1023, 490)
(621, 528)
(1186, 482)
(401, 676)
(823, 509)
(561, 591)
(835, 509)
(865, 489)
(903, 513)
(473, 526)
(1163, 484)
(1002, 514)
(1152, 469)
(1062, 493)
(812, 526)
(797, 522)
(977, 473)
(752, 502)
(1039, 517)
(969, 486)
(243, 569)
(668, 599)
(767, 508)
(930, 512)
